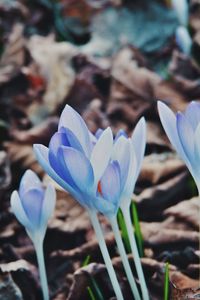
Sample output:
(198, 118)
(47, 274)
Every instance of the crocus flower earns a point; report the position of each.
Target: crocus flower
(183, 40)
(33, 206)
(181, 8)
(82, 165)
(77, 161)
(183, 131)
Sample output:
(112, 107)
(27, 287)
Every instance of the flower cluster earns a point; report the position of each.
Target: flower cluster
(100, 172)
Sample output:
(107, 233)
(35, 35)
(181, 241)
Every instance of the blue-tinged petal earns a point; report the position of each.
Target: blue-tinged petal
(131, 178)
(98, 133)
(184, 40)
(192, 114)
(104, 206)
(72, 120)
(168, 121)
(42, 153)
(139, 143)
(73, 141)
(79, 167)
(121, 153)
(29, 180)
(18, 210)
(181, 8)
(109, 186)
(101, 154)
(196, 169)
(186, 135)
(57, 140)
(121, 132)
(32, 202)
(48, 206)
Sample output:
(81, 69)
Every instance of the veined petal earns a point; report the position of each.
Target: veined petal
(192, 114)
(57, 140)
(101, 154)
(139, 143)
(42, 154)
(32, 202)
(186, 135)
(18, 210)
(72, 120)
(168, 121)
(110, 183)
(29, 180)
(79, 168)
(48, 206)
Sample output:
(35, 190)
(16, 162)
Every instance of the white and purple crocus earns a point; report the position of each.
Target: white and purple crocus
(183, 131)
(33, 205)
(98, 171)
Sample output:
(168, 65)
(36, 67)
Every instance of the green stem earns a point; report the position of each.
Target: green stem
(135, 253)
(42, 270)
(125, 262)
(105, 254)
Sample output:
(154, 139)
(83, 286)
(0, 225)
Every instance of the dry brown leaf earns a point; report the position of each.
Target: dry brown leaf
(187, 211)
(160, 167)
(14, 54)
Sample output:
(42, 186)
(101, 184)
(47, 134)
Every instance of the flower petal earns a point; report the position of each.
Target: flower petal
(101, 154)
(139, 143)
(72, 120)
(29, 180)
(98, 133)
(79, 167)
(192, 114)
(17, 209)
(186, 136)
(48, 206)
(110, 183)
(168, 120)
(121, 132)
(42, 154)
(121, 153)
(32, 202)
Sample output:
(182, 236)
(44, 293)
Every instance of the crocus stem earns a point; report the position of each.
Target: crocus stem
(122, 252)
(42, 269)
(135, 253)
(105, 254)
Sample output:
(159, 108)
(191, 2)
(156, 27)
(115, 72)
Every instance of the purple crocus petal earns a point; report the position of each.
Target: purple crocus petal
(18, 210)
(48, 206)
(139, 143)
(168, 120)
(72, 120)
(32, 202)
(121, 132)
(29, 180)
(186, 135)
(98, 133)
(57, 140)
(192, 114)
(101, 154)
(110, 183)
(121, 153)
(42, 154)
(79, 168)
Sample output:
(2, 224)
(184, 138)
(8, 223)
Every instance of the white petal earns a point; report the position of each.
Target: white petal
(101, 154)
